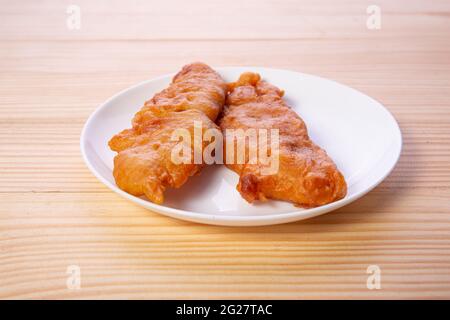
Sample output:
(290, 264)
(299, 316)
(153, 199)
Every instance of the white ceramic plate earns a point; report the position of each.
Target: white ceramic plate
(359, 134)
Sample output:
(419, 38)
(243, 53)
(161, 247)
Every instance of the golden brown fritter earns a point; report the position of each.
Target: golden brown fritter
(306, 175)
(196, 86)
(143, 165)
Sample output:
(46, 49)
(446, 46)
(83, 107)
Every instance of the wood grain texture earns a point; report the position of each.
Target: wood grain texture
(54, 213)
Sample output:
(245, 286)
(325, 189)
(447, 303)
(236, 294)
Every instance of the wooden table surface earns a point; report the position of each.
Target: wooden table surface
(55, 214)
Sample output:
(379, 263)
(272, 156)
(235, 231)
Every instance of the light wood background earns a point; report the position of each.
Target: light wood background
(54, 213)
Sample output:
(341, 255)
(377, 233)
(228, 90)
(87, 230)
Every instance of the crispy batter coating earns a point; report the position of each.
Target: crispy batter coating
(196, 86)
(143, 165)
(306, 175)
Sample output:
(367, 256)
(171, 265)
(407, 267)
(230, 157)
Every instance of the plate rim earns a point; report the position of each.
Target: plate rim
(236, 220)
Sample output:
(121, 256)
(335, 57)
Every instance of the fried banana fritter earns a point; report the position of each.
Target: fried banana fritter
(306, 175)
(143, 165)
